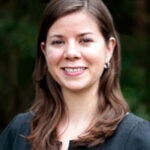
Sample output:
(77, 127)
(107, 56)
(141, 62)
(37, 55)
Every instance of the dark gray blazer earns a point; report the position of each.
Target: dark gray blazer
(133, 133)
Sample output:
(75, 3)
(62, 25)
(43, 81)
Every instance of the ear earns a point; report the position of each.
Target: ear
(42, 45)
(110, 49)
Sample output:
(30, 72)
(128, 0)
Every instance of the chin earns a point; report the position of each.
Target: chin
(74, 88)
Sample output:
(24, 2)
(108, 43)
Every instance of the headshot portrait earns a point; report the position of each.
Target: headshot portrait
(90, 90)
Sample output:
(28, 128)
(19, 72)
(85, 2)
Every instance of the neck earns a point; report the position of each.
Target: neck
(81, 110)
(82, 105)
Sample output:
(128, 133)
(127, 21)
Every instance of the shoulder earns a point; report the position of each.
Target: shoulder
(21, 119)
(136, 131)
(20, 123)
(131, 120)
(16, 131)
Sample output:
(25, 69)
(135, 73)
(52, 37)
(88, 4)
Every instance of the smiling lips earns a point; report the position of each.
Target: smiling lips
(74, 71)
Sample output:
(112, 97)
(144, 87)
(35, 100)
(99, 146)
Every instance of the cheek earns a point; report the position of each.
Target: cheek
(96, 56)
(53, 57)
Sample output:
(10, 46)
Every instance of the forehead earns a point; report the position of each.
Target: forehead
(80, 20)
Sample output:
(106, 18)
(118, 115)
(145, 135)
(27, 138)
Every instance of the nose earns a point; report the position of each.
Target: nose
(72, 51)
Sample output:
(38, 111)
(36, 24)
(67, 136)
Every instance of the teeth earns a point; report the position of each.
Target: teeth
(73, 70)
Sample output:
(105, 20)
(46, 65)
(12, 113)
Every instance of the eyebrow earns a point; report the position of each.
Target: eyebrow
(56, 35)
(85, 33)
(61, 36)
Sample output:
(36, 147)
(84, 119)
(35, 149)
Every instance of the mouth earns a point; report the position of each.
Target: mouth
(74, 71)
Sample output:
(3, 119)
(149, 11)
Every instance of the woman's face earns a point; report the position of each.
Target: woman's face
(76, 52)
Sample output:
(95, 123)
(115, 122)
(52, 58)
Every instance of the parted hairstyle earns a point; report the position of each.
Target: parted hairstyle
(49, 105)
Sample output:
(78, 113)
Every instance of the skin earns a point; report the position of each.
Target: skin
(76, 52)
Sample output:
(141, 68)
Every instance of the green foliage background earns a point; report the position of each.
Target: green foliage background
(19, 22)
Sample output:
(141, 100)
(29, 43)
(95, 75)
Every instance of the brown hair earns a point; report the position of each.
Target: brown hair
(49, 105)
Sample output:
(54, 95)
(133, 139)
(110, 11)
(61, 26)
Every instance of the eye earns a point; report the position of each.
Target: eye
(86, 40)
(57, 42)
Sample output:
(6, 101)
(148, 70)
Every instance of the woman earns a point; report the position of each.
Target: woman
(78, 103)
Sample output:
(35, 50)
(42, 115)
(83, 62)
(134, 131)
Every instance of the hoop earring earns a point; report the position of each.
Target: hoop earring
(107, 65)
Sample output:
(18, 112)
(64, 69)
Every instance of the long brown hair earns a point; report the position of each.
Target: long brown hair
(49, 105)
